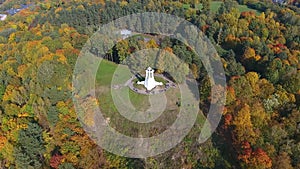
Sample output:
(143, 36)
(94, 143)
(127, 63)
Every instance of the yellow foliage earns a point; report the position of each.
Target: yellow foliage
(249, 53)
(29, 19)
(286, 62)
(230, 95)
(62, 59)
(262, 16)
(257, 57)
(22, 126)
(39, 33)
(102, 2)
(291, 97)
(293, 59)
(151, 44)
(12, 37)
(252, 77)
(3, 141)
(11, 72)
(14, 26)
(48, 5)
(60, 104)
(285, 97)
(12, 123)
(259, 116)
(8, 92)
(271, 15)
(21, 70)
(81, 7)
(44, 58)
(74, 159)
(22, 26)
(67, 45)
(58, 9)
(123, 3)
(243, 125)
(8, 154)
(224, 63)
(25, 114)
(13, 134)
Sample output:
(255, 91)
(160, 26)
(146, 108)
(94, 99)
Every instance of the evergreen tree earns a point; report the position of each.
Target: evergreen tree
(30, 147)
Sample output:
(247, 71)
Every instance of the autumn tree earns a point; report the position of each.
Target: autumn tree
(283, 160)
(260, 159)
(243, 127)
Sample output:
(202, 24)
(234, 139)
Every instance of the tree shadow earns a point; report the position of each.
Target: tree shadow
(139, 77)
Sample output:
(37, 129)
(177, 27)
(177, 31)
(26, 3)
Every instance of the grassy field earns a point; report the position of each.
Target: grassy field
(107, 70)
(215, 5)
(244, 8)
(106, 73)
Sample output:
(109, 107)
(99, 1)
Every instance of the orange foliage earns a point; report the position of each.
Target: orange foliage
(3, 141)
(56, 160)
(169, 49)
(248, 14)
(58, 9)
(227, 120)
(231, 41)
(243, 130)
(204, 28)
(246, 152)
(250, 54)
(230, 97)
(261, 158)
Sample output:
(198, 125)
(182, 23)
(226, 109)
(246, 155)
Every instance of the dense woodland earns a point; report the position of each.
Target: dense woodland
(260, 52)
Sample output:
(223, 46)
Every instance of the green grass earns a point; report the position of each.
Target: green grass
(160, 79)
(244, 8)
(138, 86)
(105, 72)
(215, 5)
(140, 102)
(104, 78)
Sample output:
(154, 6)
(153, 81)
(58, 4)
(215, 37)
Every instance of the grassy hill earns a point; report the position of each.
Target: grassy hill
(106, 73)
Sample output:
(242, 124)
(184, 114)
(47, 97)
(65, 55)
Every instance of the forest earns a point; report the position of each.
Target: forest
(259, 45)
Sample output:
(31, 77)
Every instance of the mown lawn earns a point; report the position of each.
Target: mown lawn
(215, 5)
(106, 72)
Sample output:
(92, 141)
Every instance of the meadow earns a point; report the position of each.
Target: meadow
(215, 5)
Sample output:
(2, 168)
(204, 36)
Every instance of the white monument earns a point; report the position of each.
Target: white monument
(3, 17)
(150, 82)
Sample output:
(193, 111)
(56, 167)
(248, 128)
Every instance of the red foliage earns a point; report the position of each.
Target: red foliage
(227, 120)
(261, 158)
(235, 77)
(247, 14)
(56, 160)
(246, 152)
(204, 28)
(281, 46)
